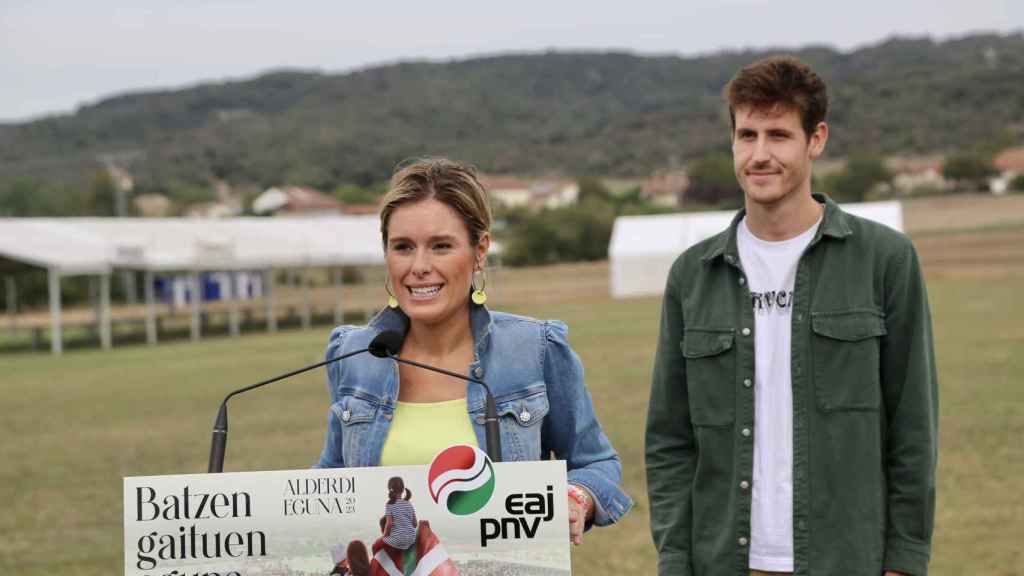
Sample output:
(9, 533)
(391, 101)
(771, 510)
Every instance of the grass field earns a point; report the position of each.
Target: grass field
(73, 426)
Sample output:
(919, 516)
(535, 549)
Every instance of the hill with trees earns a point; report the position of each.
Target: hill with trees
(609, 114)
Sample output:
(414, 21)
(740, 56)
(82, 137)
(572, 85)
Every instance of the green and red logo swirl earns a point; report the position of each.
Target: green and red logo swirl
(461, 478)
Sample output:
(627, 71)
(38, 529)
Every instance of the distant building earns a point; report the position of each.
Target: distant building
(554, 193)
(152, 205)
(512, 192)
(296, 201)
(509, 191)
(666, 187)
(1008, 164)
(226, 203)
(1010, 160)
(914, 173)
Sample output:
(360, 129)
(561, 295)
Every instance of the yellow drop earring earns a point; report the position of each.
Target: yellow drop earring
(479, 297)
(392, 301)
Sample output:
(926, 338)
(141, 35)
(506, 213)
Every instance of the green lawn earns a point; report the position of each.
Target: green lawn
(72, 427)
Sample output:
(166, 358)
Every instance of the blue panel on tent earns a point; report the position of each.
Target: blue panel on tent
(162, 289)
(211, 288)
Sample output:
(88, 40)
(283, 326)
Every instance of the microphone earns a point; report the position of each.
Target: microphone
(218, 444)
(387, 344)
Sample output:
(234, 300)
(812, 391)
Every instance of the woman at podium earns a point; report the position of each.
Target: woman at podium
(435, 228)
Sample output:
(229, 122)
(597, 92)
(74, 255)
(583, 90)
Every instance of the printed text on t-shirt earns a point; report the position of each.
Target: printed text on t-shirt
(765, 302)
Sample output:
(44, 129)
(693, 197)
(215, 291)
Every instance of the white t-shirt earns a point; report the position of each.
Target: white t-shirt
(770, 269)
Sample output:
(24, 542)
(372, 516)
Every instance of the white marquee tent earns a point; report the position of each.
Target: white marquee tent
(97, 246)
(643, 248)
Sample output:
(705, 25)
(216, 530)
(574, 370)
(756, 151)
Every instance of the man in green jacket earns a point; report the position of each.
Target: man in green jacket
(792, 425)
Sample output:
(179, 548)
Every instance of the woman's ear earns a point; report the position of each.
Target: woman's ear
(481, 250)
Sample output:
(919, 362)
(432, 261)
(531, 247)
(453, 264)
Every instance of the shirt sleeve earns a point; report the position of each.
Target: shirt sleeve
(910, 389)
(575, 434)
(332, 455)
(670, 451)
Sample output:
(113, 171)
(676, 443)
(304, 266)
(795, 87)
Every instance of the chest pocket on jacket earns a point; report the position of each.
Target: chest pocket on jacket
(710, 375)
(846, 348)
(356, 415)
(520, 421)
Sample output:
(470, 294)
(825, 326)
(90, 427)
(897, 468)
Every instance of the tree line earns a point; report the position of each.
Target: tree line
(613, 114)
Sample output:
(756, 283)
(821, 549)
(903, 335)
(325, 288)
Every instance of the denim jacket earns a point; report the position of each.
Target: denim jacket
(544, 408)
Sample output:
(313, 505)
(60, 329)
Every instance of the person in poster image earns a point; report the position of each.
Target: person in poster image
(792, 425)
(399, 516)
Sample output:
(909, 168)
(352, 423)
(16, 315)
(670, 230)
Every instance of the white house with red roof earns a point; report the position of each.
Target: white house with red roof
(513, 192)
(1010, 164)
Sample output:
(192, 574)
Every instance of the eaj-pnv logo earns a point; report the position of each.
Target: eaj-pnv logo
(461, 479)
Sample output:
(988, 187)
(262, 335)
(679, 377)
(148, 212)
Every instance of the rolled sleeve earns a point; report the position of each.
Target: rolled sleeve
(575, 435)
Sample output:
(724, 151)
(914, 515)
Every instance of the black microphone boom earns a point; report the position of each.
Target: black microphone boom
(218, 444)
(387, 345)
(384, 345)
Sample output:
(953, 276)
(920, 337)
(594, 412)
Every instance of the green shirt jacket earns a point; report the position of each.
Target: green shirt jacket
(865, 407)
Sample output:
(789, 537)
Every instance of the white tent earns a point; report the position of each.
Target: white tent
(643, 248)
(53, 244)
(237, 243)
(95, 246)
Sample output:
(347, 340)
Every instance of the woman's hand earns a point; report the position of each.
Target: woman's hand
(581, 510)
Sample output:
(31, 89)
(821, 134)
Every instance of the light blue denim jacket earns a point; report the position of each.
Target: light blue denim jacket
(537, 381)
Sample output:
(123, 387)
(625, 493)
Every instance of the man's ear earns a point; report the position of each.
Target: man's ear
(817, 141)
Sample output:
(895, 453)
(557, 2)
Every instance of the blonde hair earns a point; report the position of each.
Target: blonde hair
(449, 182)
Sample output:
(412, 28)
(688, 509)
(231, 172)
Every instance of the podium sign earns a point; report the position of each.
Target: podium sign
(474, 517)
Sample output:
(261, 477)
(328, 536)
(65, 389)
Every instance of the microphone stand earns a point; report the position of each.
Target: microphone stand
(218, 444)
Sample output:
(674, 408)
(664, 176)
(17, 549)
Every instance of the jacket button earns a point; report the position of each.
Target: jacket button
(742, 541)
(745, 432)
(729, 258)
(346, 416)
(742, 280)
(746, 382)
(478, 372)
(525, 415)
(744, 485)
(746, 331)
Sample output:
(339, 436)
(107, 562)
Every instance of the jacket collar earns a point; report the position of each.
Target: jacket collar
(395, 319)
(835, 224)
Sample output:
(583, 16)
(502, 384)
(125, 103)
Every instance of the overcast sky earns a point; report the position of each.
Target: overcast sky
(56, 55)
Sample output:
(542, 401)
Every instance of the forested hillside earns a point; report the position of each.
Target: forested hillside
(609, 114)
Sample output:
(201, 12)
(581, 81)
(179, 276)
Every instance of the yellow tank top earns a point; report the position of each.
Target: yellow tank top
(419, 430)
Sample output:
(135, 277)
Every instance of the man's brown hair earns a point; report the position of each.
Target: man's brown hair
(779, 81)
